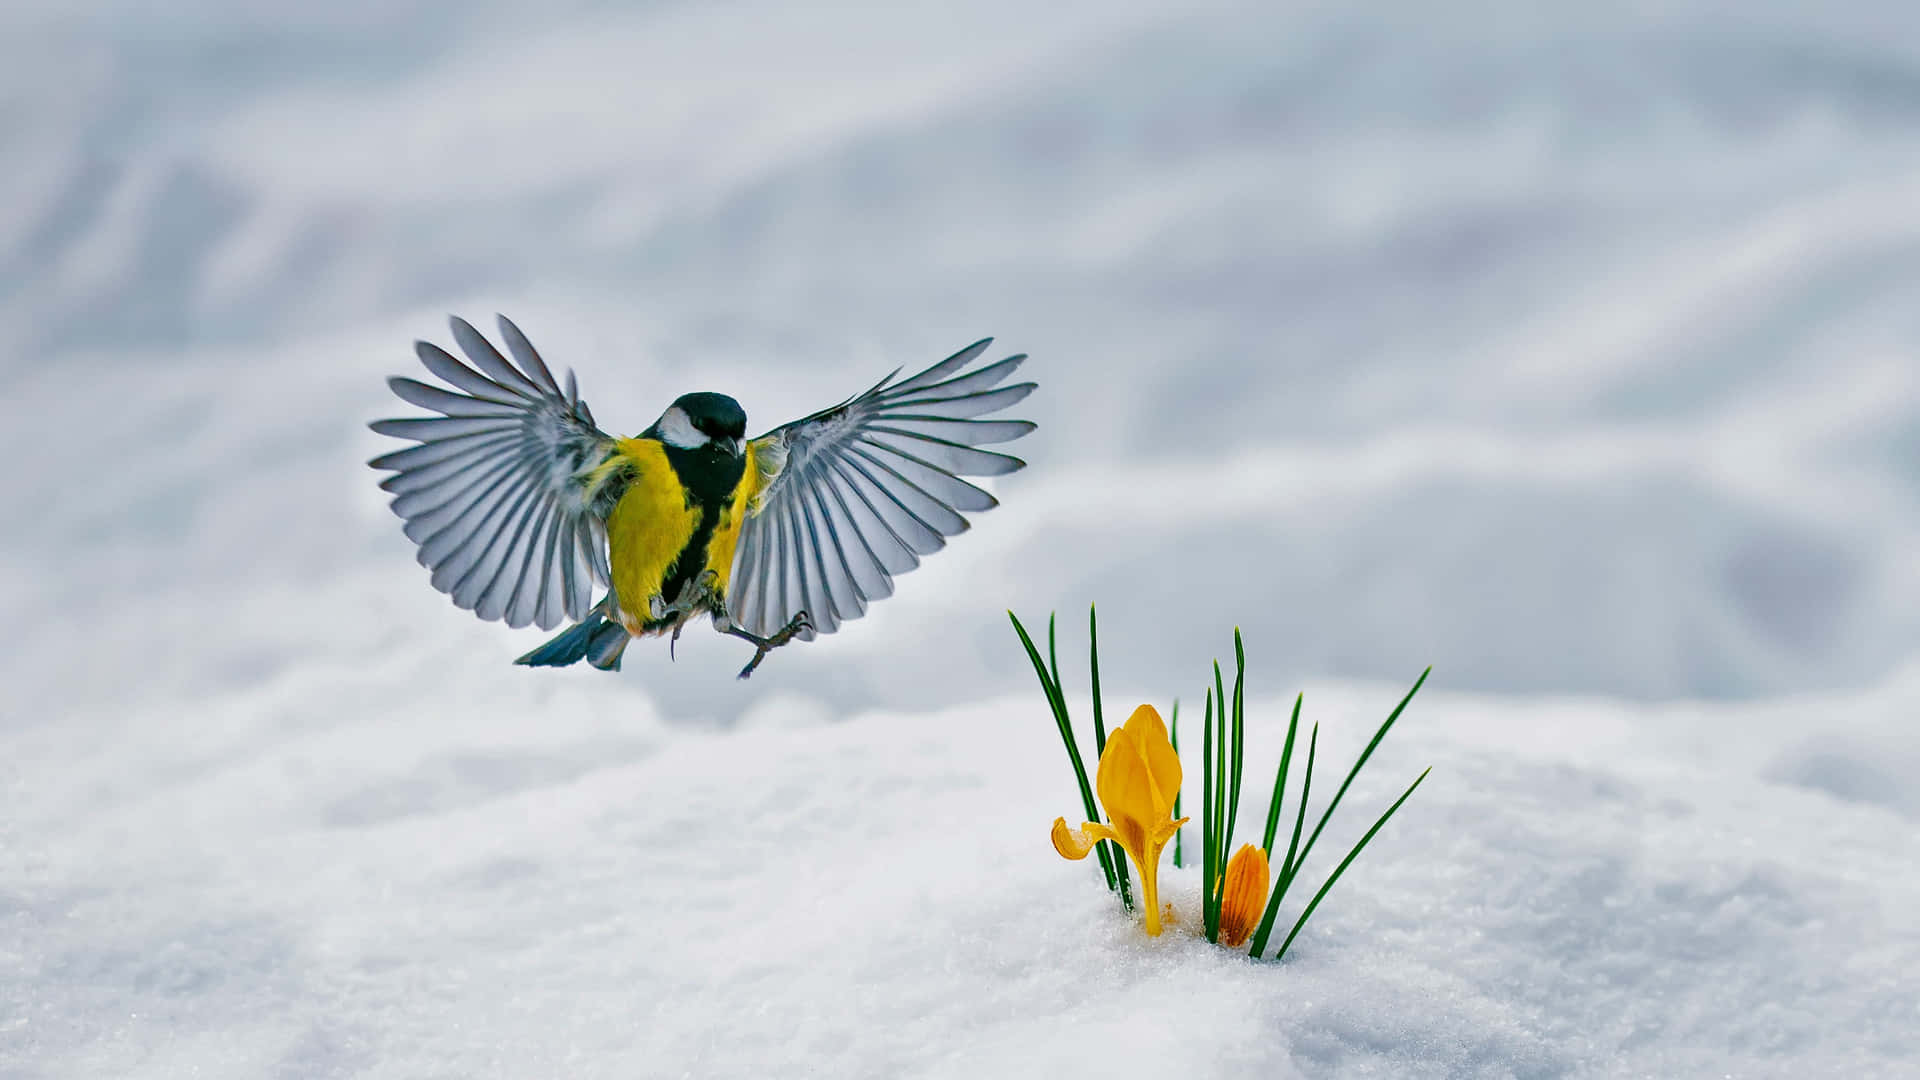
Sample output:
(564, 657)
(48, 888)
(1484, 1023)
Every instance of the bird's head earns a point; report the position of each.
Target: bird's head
(700, 420)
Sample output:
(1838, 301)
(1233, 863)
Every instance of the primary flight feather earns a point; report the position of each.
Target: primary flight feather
(521, 506)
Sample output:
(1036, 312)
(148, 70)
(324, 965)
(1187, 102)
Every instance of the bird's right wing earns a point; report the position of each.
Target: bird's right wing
(854, 495)
(505, 495)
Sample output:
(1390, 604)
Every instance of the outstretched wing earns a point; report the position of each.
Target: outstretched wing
(858, 493)
(500, 494)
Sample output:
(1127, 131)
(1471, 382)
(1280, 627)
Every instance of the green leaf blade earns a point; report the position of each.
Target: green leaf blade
(1278, 801)
(1359, 764)
(1348, 861)
(1287, 866)
(1210, 826)
(1118, 856)
(1057, 702)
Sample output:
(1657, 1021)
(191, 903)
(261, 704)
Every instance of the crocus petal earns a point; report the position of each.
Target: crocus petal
(1126, 792)
(1164, 831)
(1139, 777)
(1076, 844)
(1150, 736)
(1243, 896)
(1139, 772)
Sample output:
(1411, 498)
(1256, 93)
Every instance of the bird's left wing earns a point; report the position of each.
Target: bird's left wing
(855, 494)
(501, 493)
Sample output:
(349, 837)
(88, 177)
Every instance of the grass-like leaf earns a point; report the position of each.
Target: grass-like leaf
(1223, 834)
(1284, 877)
(1280, 779)
(1359, 764)
(1306, 791)
(1051, 688)
(1239, 737)
(1223, 759)
(1342, 868)
(1100, 738)
(1209, 825)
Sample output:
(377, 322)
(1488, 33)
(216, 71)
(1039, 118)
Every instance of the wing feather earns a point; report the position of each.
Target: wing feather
(862, 562)
(965, 385)
(920, 537)
(926, 508)
(530, 362)
(430, 429)
(477, 584)
(979, 403)
(957, 458)
(488, 359)
(936, 481)
(858, 493)
(500, 493)
(458, 490)
(435, 472)
(894, 554)
(442, 363)
(431, 453)
(840, 592)
(448, 403)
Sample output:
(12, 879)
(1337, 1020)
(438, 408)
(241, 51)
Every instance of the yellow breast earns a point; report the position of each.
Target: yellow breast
(726, 531)
(654, 522)
(647, 528)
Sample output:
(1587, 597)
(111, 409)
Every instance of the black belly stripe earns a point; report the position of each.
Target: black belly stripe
(709, 480)
(692, 558)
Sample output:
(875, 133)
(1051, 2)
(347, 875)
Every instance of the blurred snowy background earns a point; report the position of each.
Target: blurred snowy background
(1571, 351)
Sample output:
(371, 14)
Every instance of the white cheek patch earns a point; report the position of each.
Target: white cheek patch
(677, 430)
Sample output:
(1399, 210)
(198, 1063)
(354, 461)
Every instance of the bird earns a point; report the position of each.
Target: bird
(521, 506)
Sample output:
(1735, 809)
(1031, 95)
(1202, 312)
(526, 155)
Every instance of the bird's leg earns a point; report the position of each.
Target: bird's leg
(692, 595)
(695, 594)
(765, 645)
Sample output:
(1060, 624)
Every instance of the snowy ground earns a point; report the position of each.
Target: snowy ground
(1575, 354)
(468, 873)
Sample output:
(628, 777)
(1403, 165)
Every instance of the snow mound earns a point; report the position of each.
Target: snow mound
(538, 884)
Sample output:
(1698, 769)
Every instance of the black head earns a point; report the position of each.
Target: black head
(701, 420)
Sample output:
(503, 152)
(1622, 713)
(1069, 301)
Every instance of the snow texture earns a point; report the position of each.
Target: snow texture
(1571, 351)
(376, 872)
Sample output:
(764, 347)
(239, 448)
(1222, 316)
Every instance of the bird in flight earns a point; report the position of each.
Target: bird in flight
(520, 505)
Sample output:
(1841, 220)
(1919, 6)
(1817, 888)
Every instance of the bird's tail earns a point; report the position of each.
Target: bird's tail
(596, 639)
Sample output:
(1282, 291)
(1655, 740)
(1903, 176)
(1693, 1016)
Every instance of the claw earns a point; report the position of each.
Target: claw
(763, 646)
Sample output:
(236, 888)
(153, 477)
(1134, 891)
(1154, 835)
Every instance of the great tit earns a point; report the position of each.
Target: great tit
(520, 505)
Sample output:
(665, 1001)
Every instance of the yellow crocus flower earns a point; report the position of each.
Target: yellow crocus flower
(1243, 896)
(1138, 779)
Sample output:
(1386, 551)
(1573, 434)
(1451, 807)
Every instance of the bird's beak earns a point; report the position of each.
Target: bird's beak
(731, 446)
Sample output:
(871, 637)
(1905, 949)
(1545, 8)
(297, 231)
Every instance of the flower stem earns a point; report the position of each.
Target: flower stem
(1150, 896)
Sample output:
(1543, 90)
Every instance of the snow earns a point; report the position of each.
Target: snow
(534, 878)
(1573, 353)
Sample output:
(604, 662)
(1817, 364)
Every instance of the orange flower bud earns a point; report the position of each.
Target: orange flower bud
(1243, 897)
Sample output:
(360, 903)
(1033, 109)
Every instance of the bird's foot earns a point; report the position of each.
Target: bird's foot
(765, 645)
(696, 592)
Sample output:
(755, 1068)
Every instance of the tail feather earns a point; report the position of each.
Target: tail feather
(594, 639)
(606, 646)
